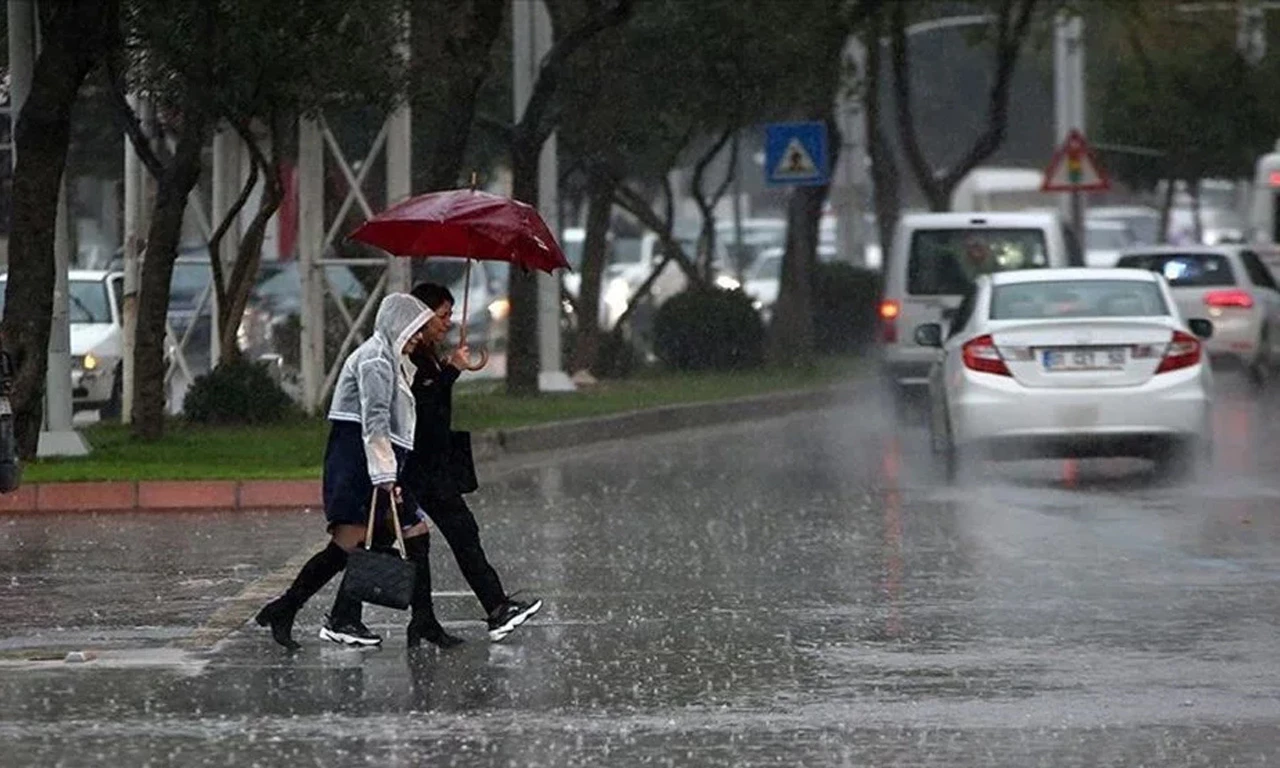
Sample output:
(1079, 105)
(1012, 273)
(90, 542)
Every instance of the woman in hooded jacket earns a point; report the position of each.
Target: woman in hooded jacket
(372, 418)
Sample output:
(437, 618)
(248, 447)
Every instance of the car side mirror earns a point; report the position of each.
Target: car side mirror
(929, 335)
(1201, 327)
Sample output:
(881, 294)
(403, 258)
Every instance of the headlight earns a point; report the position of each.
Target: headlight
(757, 305)
(499, 309)
(727, 283)
(89, 362)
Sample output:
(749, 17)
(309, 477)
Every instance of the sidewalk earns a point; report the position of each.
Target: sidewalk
(487, 446)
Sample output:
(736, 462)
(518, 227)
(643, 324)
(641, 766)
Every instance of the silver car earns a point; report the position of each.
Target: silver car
(1069, 362)
(1229, 285)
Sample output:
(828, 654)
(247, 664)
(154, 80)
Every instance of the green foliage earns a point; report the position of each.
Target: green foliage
(844, 307)
(248, 59)
(1179, 86)
(680, 71)
(709, 329)
(237, 392)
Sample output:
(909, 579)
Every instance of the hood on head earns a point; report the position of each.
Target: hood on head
(399, 317)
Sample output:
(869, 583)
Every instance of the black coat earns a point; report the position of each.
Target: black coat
(429, 469)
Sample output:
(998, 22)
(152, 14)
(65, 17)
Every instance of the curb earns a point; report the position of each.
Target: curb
(491, 445)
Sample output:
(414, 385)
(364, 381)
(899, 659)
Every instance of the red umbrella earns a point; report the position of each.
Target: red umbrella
(468, 224)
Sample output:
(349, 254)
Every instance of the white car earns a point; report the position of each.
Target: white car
(764, 278)
(1069, 362)
(1103, 241)
(94, 307)
(1232, 287)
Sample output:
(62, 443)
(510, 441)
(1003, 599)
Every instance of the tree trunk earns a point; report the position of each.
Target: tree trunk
(594, 250)
(707, 203)
(248, 260)
(522, 289)
(163, 238)
(451, 44)
(73, 40)
(249, 254)
(1197, 221)
(1166, 208)
(790, 335)
(527, 137)
(884, 167)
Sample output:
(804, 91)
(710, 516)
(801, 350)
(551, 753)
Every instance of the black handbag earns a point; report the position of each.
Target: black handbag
(461, 463)
(380, 577)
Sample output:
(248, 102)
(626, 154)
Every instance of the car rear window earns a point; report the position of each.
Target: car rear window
(1077, 298)
(1184, 270)
(945, 262)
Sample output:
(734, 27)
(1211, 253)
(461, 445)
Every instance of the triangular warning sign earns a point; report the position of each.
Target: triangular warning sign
(796, 163)
(1073, 168)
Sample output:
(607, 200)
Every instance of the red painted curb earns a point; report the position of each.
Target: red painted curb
(127, 495)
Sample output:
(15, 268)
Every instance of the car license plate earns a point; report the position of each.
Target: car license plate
(1084, 359)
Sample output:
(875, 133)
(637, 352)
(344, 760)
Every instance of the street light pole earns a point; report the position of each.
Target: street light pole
(530, 42)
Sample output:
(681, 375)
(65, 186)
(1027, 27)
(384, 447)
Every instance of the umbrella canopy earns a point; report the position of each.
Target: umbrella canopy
(467, 224)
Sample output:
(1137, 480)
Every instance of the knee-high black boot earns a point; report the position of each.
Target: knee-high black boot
(423, 625)
(279, 613)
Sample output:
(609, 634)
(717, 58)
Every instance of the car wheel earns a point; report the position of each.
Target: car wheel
(1178, 461)
(111, 411)
(945, 455)
(1260, 369)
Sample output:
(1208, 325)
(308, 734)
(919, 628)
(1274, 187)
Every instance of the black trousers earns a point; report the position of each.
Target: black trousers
(453, 518)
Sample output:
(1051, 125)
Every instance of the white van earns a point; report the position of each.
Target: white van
(936, 257)
(993, 188)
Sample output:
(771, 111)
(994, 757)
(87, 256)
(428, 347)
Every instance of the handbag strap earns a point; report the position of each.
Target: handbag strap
(395, 523)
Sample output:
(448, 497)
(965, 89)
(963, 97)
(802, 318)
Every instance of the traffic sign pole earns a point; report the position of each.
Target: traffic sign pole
(1068, 59)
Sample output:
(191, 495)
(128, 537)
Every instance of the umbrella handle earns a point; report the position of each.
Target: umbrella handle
(484, 360)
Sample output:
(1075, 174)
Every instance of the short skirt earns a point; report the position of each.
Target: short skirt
(347, 487)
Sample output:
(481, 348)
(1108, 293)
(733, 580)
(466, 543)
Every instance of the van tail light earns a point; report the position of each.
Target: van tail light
(1234, 297)
(1183, 352)
(890, 310)
(981, 355)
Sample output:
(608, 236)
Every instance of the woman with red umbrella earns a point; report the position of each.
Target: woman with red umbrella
(430, 476)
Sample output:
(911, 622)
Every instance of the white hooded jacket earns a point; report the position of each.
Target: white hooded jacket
(373, 387)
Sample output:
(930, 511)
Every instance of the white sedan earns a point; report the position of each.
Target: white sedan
(1069, 363)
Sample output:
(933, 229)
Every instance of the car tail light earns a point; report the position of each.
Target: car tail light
(889, 312)
(1230, 298)
(980, 354)
(1183, 352)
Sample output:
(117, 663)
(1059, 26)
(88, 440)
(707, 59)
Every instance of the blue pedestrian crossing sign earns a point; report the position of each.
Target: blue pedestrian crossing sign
(796, 154)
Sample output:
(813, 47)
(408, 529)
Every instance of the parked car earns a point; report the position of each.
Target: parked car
(1142, 221)
(277, 297)
(94, 309)
(936, 258)
(1068, 362)
(1232, 287)
(765, 277)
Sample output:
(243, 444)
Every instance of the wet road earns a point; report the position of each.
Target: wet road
(798, 591)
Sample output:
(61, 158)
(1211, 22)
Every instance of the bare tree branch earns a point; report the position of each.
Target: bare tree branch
(127, 118)
(910, 137)
(215, 239)
(706, 206)
(1008, 49)
(533, 127)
